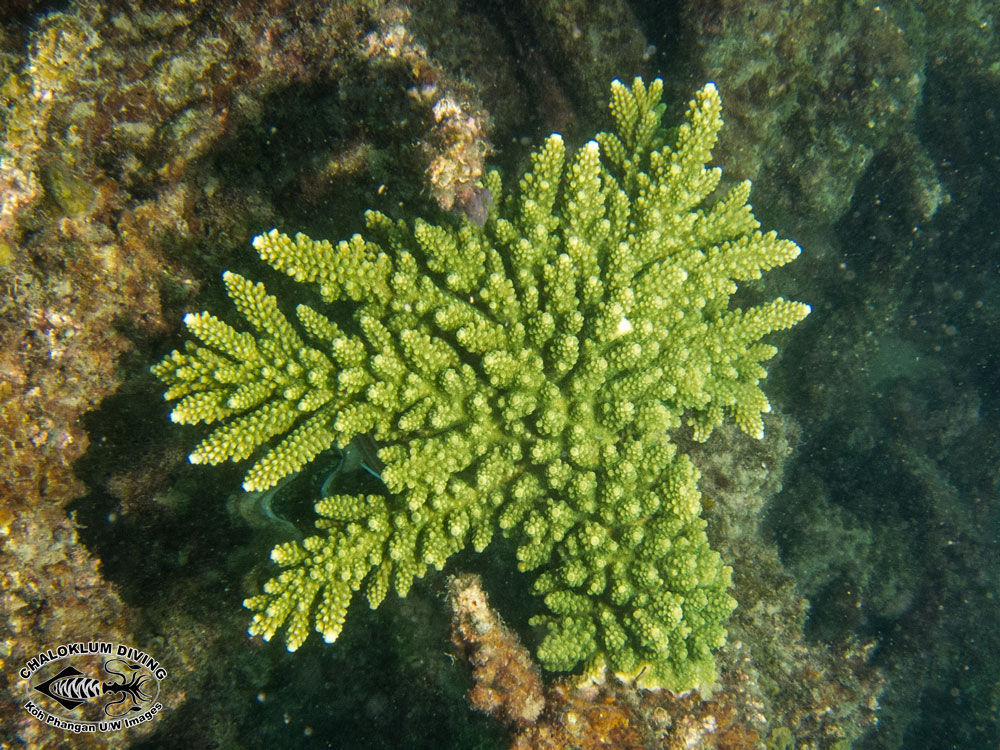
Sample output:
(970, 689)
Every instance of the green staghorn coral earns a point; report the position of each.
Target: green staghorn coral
(524, 377)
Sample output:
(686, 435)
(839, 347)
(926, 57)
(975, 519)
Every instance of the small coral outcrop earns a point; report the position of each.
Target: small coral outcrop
(507, 684)
(521, 377)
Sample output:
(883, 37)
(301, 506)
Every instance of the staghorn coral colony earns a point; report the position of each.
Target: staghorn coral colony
(523, 377)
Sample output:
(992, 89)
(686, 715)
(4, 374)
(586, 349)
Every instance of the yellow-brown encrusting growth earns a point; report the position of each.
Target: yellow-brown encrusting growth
(522, 377)
(507, 684)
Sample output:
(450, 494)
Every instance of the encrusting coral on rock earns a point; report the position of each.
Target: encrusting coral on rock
(594, 713)
(508, 685)
(523, 377)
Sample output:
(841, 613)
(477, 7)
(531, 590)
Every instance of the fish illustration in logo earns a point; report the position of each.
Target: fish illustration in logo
(71, 688)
